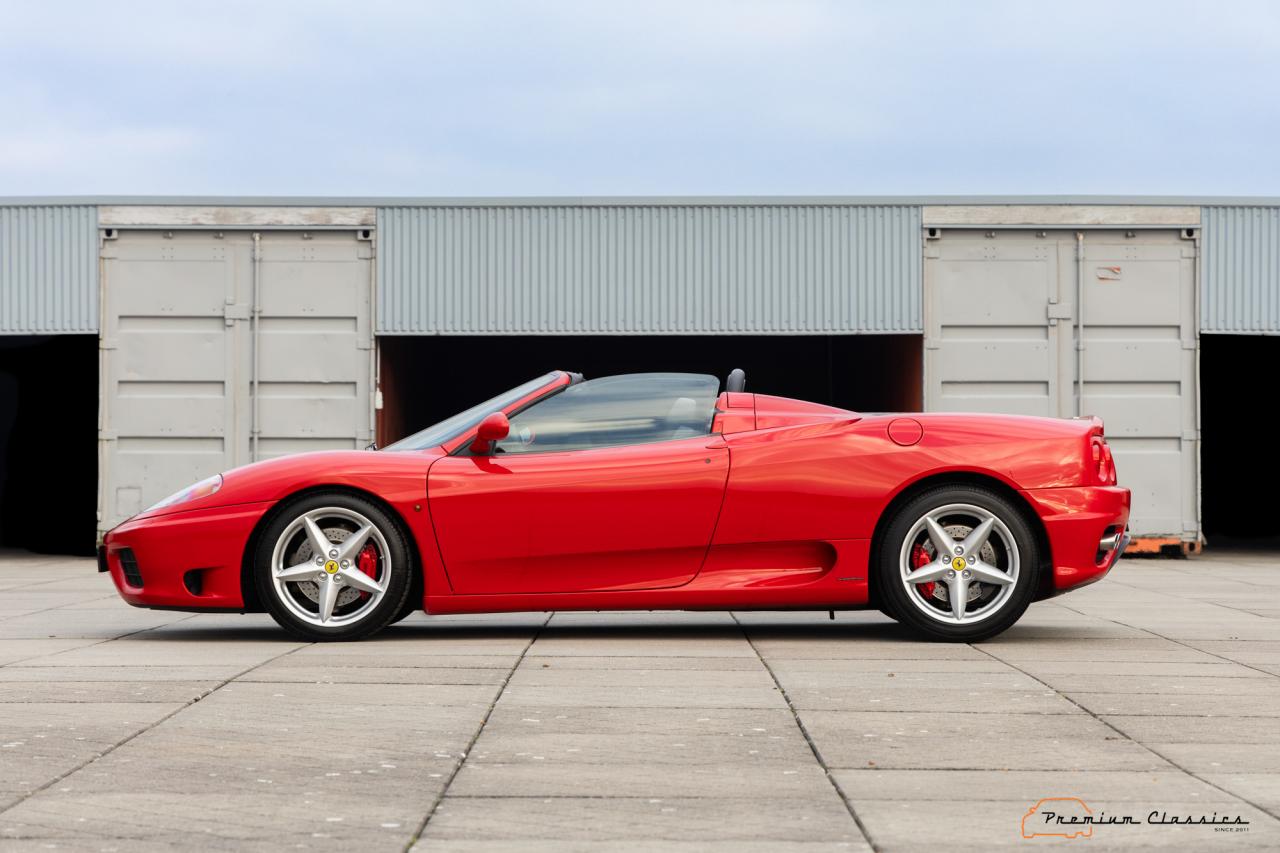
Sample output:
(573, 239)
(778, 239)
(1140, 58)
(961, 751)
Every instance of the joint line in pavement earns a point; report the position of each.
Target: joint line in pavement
(484, 721)
(169, 716)
(813, 747)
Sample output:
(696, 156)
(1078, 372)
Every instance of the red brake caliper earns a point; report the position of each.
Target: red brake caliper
(920, 557)
(367, 562)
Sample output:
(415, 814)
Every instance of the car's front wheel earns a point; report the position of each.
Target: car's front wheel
(957, 563)
(332, 566)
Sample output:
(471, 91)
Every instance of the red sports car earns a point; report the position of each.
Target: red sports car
(647, 491)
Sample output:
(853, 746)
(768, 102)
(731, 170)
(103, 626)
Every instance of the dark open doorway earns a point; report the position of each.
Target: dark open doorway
(48, 443)
(426, 379)
(1238, 463)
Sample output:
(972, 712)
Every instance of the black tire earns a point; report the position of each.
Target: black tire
(915, 610)
(412, 604)
(394, 576)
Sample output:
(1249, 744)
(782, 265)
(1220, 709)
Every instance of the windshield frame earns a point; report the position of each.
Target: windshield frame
(503, 402)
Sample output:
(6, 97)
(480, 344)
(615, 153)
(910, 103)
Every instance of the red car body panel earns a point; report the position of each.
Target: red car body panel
(777, 508)
(632, 517)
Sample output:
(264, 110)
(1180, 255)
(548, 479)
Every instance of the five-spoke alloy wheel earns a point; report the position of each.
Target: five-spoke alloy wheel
(957, 563)
(332, 566)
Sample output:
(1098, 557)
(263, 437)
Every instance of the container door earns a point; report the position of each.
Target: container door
(996, 324)
(1139, 370)
(316, 338)
(1002, 334)
(174, 330)
(183, 355)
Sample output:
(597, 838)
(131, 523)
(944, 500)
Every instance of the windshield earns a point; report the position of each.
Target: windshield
(437, 434)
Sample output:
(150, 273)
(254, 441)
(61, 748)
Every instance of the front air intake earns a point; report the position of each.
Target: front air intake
(129, 565)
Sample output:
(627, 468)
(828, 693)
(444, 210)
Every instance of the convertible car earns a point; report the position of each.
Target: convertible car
(645, 491)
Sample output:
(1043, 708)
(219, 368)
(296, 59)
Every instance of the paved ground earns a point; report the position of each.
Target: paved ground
(124, 729)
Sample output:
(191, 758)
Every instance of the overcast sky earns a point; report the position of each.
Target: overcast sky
(639, 98)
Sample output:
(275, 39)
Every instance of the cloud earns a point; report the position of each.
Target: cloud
(664, 97)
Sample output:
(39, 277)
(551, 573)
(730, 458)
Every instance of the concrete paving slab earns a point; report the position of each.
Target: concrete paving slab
(336, 674)
(1261, 789)
(750, 748)
(678, 664)
(588, 696)
(1137, 650)
(798, 781)
(103, 625)
(553, 675)
(149, 651)
(716, 642)
(1156, 669)
(1204, 758)
(1261, 652)
(631, 721)
(25, 692)
(1173, 728)
(14, 651)
(882, 666)
(32, 672)
(1112, 786)
(1193, 704)
(610, 716)
(944, 740)
(288, 695)
(1169, 685)
(640, 820)
(464, 644)
(954, 700)
(195, 820)
(41, 742)
(1000, 677)
(797, 646)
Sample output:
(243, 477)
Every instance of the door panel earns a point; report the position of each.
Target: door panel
(988, 347)
(638, 517)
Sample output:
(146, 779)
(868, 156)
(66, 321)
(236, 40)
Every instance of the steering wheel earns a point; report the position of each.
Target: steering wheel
(737, 380)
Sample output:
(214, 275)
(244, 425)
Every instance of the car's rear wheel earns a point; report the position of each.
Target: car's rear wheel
(332, 566)
(957, 563)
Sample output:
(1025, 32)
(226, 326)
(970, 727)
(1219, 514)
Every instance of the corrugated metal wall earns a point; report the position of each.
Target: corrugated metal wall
(48, 269)
(1240, 272)
(649, 269)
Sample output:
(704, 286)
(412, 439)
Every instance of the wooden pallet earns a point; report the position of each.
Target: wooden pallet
(1165, 545)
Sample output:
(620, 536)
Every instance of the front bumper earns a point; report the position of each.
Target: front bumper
(184, 560)
(1087, 527)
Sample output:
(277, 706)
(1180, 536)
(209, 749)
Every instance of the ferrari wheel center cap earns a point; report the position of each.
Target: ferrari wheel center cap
(957, 564)
(331, 567)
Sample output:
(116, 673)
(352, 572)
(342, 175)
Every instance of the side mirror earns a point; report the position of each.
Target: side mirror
(494, 427)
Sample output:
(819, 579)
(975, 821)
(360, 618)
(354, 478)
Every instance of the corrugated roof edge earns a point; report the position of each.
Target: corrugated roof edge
(631, 201)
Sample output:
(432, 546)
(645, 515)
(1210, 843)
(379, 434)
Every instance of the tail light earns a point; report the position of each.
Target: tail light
(1104, 466)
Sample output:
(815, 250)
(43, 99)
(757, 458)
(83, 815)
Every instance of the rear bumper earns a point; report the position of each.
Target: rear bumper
(1087, 527)
(185, 560)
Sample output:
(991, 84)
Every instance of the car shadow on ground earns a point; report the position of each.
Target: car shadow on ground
(607, 627)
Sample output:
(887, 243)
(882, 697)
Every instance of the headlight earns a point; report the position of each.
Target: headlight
(202, 489)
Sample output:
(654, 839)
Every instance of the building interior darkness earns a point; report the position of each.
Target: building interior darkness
(49, 394)
(1239, 462)
(49, 443)
(427, 379)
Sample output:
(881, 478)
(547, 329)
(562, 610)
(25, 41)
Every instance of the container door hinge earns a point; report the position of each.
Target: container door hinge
(235, 312)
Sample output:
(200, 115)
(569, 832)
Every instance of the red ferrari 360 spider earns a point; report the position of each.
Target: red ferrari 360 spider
(647, 491)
